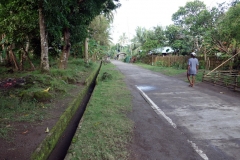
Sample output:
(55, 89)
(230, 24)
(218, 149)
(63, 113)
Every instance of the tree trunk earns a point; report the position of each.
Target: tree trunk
(44, 66)
(3, 48)
(30, 62)
(86, 50)
(1, 58)
(66, 50)
(25, 55)
(12, 58)
(22, 56)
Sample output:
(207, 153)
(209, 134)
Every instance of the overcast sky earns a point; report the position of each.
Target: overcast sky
(148, 14)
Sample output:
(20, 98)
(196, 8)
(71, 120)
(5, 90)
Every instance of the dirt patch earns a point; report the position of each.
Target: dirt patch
(26, 136)
(11, 83)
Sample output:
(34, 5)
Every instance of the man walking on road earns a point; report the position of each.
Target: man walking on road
(192, 68)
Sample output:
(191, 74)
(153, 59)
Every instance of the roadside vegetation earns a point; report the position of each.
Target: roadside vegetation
(105, 129)
(28, 96)
(208, 31)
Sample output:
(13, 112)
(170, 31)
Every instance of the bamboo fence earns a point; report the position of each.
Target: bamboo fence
(166, 61)
(214, 62)
(229, 79)
(170, 61)
(223, 76)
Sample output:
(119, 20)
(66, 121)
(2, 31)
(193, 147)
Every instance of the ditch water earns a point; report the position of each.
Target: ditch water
(60, 150)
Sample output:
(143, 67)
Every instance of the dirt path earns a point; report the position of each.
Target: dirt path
(183, 122)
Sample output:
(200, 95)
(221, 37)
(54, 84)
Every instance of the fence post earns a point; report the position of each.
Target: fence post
(215, 77)
(235, 86)
(152, 59)
(169, 62)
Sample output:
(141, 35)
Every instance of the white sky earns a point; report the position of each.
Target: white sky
(148, 14)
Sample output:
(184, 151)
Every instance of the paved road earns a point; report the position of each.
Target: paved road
(174, 121)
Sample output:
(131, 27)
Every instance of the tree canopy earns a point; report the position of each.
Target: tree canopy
(196, 28)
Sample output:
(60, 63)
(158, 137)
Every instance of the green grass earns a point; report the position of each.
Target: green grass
(199, 75)
(169, 71)
(106, 130)
(29, 103)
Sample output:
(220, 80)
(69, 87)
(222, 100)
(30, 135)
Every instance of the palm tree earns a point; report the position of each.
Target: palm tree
(123, 39)
(100, 30)
(141, 35)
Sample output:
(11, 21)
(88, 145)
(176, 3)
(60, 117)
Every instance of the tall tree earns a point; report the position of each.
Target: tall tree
(177, 39)
(155, 38)
(187, 17)
(44, 40)
(141, 35)
(73, 19)
(208, 22)
(159, 35)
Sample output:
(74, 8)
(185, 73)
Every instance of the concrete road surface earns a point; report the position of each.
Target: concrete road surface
(177, 122)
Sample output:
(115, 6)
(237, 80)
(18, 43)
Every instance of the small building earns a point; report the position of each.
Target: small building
(121, 56)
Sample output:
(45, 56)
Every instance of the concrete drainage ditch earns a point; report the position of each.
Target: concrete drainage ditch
(64, 142)
(57, 142)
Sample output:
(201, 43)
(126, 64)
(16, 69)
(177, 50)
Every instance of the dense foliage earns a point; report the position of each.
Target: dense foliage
(62, 26)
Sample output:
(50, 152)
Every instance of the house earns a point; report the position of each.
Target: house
(167, 51)
(162, 51)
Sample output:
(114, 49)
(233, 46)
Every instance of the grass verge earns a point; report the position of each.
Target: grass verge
(171, 71)
(30, 101)
(105, 130)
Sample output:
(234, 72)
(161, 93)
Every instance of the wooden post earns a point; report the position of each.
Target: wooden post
(86, 50)
(235, 86)
(152, 59)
